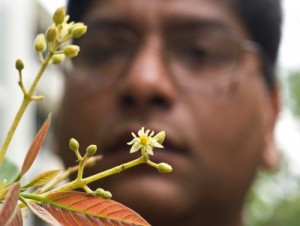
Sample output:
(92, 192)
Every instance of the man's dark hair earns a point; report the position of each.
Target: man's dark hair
(262, 18)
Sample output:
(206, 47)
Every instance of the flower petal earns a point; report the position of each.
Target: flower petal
(132, 141)
(147, 132)
(160, 137)
(149, 150)
(135, 147)
(154, 143)
(141, 131)
(133, 134)
(151, 134)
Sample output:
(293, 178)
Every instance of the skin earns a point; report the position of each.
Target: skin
(215, 143)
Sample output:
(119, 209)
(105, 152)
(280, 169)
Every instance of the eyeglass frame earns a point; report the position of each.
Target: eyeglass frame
(244, 45)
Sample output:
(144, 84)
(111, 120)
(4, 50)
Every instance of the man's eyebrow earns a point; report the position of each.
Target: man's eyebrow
(107, 24)
(191, 24)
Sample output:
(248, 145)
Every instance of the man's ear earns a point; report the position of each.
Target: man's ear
(271, 156)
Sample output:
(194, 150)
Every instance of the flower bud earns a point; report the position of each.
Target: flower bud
(160, 137)
(164, 168)
(79, 30)
(40, 44)
(71, 50)
(102, 193)
(51, 34)
(107, 195)
(19, 65)
(99, 192)
(73, 144)
(58, 58)
(59, 15)
(91, 150)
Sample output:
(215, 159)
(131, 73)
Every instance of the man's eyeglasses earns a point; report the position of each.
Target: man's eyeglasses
(200, 60)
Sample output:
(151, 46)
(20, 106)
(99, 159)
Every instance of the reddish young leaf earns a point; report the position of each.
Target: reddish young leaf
(78, 208)
(43, 214)
(35, 147)
(16, 220)
(10, 213)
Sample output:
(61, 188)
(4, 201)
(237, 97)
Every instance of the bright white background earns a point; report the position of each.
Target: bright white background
(290, 46)
(288, 128)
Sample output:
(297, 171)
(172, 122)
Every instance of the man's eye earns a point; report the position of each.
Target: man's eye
(96, 54)
(194, 56)
(195, 53)
(103, 53)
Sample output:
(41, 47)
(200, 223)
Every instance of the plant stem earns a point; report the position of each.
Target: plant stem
(66, 174)
(33, 197)
(79, 184)
(80, 169)
(26, 101)
(115, 170)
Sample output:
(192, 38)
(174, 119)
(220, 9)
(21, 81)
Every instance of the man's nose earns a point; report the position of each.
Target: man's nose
(147, 84)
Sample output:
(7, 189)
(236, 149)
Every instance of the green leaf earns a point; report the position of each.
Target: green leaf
(78, 208)
(35, 147)
(10, 213)
(294, 92)
(8, 170)
(42, 178)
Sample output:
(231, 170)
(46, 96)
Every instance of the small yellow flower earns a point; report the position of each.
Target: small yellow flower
(146, 141)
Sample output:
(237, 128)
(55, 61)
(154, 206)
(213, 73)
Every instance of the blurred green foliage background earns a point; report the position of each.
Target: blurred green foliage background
(274, 199)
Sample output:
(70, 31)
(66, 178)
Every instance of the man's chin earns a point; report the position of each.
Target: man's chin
(145, 192)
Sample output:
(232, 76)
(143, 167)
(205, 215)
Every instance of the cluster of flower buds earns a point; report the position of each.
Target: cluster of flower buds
(74, 146)
(90, 150)
(102, 193)
(60, 32)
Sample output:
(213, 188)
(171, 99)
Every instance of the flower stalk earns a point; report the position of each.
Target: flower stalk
(51, 41)
(145, 141)
(27, 98)
(46, 183)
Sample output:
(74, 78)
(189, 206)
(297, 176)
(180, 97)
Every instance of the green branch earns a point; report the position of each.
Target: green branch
(28, 97)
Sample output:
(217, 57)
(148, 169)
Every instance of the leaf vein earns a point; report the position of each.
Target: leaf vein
(107, 207)
(74, 216)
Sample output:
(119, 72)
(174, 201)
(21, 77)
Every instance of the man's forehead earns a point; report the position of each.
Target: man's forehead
(161, 8)
(161, 13)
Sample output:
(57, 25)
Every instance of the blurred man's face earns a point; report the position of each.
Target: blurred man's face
(176, 66)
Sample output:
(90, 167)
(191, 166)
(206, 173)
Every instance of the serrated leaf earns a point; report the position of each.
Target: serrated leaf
(42, 213)
(10, 213)
(8, 170)
(35, 147)
(42, 178)
(78, 208)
